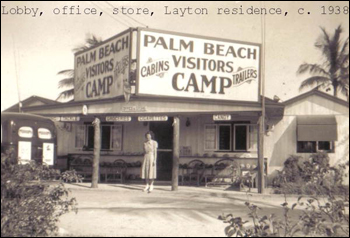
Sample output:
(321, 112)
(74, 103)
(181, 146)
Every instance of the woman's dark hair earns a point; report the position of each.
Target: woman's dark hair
(150, 133)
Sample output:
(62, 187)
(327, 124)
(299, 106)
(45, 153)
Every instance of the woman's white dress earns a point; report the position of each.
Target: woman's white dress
(149, 168)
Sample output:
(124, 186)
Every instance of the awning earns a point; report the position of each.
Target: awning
(317, 128)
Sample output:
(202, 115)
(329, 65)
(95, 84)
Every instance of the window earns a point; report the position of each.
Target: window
(111, 137)
(315, 146)
(225, 137)
(325, 146)
(231, 137)
(25, 132)
(80, 136)
(117, 137)
(105, 137)
(241, 137)
(90, 137)
(210, 137)
(44, 133)
(306, 147)
(253, 138)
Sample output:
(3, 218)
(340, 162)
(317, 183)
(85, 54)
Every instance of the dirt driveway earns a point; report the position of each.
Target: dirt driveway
(125, 211)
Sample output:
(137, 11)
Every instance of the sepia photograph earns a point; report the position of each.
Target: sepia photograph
(174, 119)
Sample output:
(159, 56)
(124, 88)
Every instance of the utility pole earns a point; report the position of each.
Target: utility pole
(97, 150)
(261, 159)
(176, 154)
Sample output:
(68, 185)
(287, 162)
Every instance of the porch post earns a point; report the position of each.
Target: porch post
(97, 149)
(176, 154)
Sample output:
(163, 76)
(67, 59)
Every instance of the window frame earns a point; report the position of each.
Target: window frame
(317, 150)
(122, 137)
(110, 136)
(86, 136)
(247, 139)
(218, 137)
(232, 137)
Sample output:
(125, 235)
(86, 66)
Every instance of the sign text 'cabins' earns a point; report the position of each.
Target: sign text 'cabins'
(103, 71)
(195, 67)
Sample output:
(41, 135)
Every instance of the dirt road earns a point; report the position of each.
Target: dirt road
(125, 211)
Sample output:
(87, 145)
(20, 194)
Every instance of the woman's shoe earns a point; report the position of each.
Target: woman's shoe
(151, 188)
(146, 188)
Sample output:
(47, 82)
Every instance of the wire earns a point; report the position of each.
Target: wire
(110, 5)
(17, 75)
(127, 15)
(110, 15)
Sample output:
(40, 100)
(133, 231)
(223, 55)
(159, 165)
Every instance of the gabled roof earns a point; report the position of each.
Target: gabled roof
(31, 100)
(317, 93)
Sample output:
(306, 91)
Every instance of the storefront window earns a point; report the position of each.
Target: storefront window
(241, 137)
(221, 137)
(79, 136)
(210, 137)
(117, 137)
(253, 138)
(106, 137)
(225, 137)
(90, 137)
(111, 137)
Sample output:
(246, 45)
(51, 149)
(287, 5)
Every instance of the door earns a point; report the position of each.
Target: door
(163, 132)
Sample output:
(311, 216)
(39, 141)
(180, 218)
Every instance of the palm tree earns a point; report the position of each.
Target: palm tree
(334, 71)
(68, 82)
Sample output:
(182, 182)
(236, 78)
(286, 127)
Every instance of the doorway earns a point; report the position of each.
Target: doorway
(163, 132)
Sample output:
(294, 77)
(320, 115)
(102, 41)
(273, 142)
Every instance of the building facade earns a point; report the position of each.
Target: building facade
(142, 79)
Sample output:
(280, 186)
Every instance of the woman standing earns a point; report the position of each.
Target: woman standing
(149, 167)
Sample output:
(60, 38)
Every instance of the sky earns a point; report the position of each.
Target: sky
(35, 48)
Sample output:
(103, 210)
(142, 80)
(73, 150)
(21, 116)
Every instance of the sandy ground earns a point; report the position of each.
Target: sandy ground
(125, 211)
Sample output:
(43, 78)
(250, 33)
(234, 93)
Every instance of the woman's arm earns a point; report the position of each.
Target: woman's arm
(155, 151)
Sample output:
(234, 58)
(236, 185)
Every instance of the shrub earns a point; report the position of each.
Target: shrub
(261, 226)
(326, 217)
(31, 200)
(316, 220)
(312, 177)
(71, 176)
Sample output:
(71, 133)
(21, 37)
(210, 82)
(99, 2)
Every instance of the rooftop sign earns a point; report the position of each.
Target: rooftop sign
(103, 71)
(179, 65)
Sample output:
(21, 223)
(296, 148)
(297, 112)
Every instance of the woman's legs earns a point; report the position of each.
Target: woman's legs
(147, 185)
(151, 187)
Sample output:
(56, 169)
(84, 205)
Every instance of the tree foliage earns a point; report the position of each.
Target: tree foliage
(68, 81)
(31, 202)
(334, 70)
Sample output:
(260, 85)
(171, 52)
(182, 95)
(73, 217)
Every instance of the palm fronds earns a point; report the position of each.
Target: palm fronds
(68, 82)
(335, 69)
(318, 81)
(66, 94)
(312, 69)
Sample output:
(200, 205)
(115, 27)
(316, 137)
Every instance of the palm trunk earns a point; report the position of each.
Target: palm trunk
(335, 90)
(97, 149)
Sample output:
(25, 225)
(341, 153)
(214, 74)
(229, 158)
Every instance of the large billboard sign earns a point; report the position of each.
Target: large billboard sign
(177, 65)
(103, 71)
